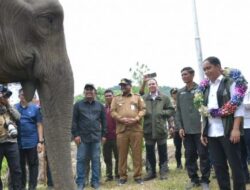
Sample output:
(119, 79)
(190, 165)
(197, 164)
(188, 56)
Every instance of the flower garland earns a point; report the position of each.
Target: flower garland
(229, 107)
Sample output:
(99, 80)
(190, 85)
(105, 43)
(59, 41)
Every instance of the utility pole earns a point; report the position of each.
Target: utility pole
(197, 42)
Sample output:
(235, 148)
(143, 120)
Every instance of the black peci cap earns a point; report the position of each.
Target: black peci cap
(89, 85)
(125, 81)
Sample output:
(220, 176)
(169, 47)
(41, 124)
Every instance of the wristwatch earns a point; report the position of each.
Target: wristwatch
(41, 142)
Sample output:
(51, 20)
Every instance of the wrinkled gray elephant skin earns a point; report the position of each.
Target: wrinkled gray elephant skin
(33, 52)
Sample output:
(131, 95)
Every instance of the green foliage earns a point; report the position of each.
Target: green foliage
(4, 170)
(138, 72)
(100, 94)
(117, 90)
(78, 98)
(4, 167)
(135, 89)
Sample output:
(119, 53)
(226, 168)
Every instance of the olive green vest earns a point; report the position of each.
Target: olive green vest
(223, 96)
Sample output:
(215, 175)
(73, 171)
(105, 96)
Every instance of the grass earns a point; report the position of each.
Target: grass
(177, 179)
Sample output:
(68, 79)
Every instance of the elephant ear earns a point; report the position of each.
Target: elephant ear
(29, 88)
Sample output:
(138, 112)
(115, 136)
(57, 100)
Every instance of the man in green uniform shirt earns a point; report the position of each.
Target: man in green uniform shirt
(189, 123)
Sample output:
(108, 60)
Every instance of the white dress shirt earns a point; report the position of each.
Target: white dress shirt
(216, 128)
(246, 104)
(154, 95)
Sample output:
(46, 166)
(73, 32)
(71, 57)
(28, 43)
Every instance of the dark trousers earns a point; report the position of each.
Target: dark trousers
(11, 153)
(109, 148)
(244, 152)
(49, 176)
(150, 153)
(178, 146)
(193, 150)
(223, 151)
(30, 157)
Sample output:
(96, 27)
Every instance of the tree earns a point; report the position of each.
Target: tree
(138, 72)
(100, 94)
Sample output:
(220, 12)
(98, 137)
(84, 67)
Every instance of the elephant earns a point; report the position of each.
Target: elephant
(33, 52)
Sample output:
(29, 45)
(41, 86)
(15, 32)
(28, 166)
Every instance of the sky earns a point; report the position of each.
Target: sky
(107, 37)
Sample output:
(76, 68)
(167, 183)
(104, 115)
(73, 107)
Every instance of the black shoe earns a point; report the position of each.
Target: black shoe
(163, 176)
(164, 169)
(149, 176)
(95, 186)
(139, 181)
(247, 181)
(122, 181)
(117, 177)
(109, 179)
(191, 185)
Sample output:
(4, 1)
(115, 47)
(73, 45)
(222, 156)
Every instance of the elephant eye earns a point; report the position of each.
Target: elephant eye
(47, 23)
(50, 19)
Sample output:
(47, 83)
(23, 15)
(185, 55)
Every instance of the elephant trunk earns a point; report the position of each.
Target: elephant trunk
(56, 96)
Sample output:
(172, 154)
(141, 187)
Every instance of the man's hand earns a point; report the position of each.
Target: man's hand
(182, 133)
(128, 121)
(77, 140)
(131, 121)
(104, 140)
(145, 79)
(171, 132)
(124, 120)
(235, 136)
(40, 147)
(4, 101)
(204, 140)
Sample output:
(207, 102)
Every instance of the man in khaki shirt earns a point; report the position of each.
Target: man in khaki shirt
(128, 109)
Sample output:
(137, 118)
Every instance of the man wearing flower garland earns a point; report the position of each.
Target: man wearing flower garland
(188, 121)
(223, 112)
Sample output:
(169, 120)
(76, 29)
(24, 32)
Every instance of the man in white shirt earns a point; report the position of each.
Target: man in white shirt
(222, 134)
(245, 141)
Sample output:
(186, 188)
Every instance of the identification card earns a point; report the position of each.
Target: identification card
(132, 107)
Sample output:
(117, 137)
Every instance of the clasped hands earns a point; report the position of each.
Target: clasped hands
(128, 120)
